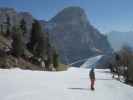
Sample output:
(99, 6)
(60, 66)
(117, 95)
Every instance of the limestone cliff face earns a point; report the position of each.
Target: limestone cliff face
(15, 18)
(75, 37)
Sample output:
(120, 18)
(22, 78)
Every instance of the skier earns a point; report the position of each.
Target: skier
(92, 78)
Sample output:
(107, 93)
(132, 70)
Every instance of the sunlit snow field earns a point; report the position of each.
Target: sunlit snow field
(73, 84)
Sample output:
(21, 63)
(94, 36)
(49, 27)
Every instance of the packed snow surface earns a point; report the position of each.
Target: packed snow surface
(73, 84)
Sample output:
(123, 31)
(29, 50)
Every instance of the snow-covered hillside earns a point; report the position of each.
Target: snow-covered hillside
(73, 84)
(91, 62)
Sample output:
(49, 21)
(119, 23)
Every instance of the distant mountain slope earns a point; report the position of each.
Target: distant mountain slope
(118, 39)
(75, 37)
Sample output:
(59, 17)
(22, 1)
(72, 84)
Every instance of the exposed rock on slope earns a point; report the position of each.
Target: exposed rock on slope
(75, 37)
(15, 18)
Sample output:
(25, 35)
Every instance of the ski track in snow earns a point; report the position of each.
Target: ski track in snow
(73, 84)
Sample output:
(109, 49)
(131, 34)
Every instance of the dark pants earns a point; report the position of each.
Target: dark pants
(92, 84)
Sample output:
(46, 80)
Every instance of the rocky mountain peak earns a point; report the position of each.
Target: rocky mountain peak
(70, 29)
(70, 14)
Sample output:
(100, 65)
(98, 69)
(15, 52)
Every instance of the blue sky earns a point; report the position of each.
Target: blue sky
(106, 15)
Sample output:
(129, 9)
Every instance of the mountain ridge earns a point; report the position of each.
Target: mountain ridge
(70, 31)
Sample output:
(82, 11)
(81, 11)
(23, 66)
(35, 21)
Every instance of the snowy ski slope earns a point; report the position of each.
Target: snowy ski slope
(73, 84)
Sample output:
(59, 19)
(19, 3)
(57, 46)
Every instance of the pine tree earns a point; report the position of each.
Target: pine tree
(40, 50)
(36, 34)
(48, 51)
(8, 32)
(23, 27)
(18, 45)
(39, 43)
(55, 59)
(1, 28)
